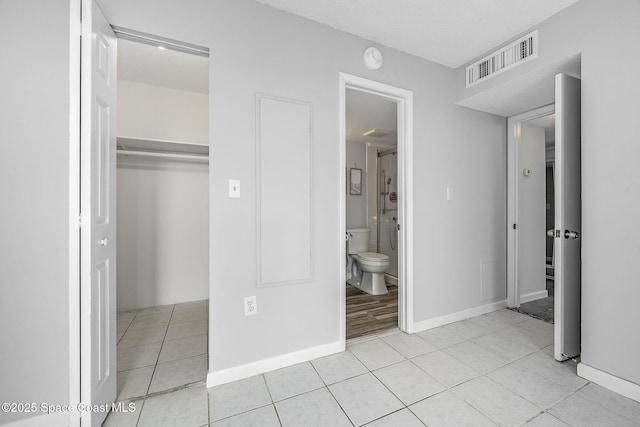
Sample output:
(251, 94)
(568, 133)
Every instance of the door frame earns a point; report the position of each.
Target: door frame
(75, 30)
(404, 100)
(513, 168)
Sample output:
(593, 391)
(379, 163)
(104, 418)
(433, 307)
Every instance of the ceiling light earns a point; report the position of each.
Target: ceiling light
(376, 133)
(162, 48)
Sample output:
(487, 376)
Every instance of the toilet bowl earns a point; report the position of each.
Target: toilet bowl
(373, 266)
(365, 270)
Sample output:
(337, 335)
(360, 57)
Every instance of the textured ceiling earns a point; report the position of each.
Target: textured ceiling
(449, 32)
(143, 63)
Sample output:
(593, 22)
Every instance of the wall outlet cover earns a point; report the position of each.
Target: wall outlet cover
(250, 306)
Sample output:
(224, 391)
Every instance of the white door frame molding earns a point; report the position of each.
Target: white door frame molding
(513, 169)
(404, 100)
(74, 210)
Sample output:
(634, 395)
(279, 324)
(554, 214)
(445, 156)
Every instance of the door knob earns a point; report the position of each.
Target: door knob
(571, 234)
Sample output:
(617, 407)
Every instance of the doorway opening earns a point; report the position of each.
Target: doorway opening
(527, 268)
(371, 213)
(536, 215)
(376, 286)
(162, 215)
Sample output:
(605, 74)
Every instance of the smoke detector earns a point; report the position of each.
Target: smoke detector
(372, 58)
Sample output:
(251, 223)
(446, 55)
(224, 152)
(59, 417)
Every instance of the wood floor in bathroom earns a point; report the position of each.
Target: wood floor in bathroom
(368, 314)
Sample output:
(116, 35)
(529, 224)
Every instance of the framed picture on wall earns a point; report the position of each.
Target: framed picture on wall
(355, 180)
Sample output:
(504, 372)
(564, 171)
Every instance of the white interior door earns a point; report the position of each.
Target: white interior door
(568, 214)
(98, 185)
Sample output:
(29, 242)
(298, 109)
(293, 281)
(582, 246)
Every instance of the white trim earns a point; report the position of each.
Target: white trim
(533, 296)
(513, 128)
(272, 363)
(73, 419)
(611, 382)
(54, 419)
(404, 99)
(460, 315)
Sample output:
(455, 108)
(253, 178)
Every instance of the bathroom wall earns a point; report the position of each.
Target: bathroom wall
(388, 235)
(372, 195)
(357, 205)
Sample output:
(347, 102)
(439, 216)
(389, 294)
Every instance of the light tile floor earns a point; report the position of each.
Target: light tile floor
(161, 348)
(494, 369)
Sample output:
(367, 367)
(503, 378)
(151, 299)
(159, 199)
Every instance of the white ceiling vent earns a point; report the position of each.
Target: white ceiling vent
(516, 53)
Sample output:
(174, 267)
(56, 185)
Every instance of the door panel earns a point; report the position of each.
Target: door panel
(97, 177)
(567, 241)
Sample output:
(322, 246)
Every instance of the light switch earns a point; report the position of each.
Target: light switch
(234, 188)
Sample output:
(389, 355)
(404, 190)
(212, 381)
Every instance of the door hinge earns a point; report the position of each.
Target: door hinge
(514, 227)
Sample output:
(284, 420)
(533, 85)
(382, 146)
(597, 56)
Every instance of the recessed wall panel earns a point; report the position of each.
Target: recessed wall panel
(284, 191)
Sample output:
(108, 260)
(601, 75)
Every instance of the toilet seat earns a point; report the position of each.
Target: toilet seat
(372, 256)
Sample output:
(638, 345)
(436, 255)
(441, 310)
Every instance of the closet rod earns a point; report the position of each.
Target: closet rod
(164, 155)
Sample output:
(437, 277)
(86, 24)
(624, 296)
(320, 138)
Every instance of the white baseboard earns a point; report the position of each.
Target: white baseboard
(273, 363)
(55, 419)
(533, 296)
(460, 315)
(611, 382)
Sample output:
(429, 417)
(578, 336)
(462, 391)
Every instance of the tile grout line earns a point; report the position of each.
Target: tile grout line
(155, 367)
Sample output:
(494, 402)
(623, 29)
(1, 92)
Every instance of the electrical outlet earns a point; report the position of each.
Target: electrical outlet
(250, 306)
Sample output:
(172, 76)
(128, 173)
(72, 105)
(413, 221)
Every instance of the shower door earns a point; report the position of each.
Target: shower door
(388, 209)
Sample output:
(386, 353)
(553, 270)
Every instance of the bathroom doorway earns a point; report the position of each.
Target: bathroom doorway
(371, 213)
(376, 208)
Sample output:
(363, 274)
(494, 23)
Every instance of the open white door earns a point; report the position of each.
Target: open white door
(568, 215)
(98, 237)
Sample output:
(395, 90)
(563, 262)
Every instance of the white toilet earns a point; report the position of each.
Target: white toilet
(365, 270)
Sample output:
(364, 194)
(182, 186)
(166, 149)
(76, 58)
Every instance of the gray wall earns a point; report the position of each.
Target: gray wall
(256, 49)
(531, 212)
(34, 211)
(357, 205)
(606, 34)
(163, 238)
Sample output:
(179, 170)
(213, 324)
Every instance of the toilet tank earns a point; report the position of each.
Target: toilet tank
(358, 240)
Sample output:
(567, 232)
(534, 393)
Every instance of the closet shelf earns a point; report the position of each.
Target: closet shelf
(177, 150)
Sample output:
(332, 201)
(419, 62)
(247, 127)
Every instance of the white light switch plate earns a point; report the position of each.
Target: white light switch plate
(234, 188)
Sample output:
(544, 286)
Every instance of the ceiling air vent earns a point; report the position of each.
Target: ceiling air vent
(516, 53)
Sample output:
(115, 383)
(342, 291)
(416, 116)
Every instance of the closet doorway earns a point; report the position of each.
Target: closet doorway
(162, 214)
